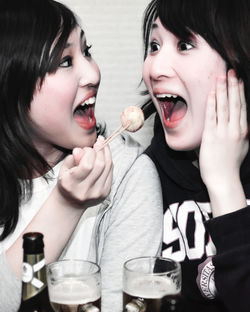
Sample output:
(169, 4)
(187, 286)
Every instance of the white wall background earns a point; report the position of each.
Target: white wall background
(114, 28)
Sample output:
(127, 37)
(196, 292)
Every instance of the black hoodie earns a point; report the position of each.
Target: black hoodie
(214, 253)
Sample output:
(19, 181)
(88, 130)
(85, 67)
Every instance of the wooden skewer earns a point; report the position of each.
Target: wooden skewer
(113, 135)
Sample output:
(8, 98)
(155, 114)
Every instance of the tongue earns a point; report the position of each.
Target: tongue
(179, 110)
(167, 108)
(85, 118)
(174, 110)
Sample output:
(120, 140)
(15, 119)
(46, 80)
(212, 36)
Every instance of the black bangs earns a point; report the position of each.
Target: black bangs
(184, 18)
(178, 17)
(150, 15)
(64, 22)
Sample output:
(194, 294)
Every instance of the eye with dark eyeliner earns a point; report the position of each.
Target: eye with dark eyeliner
(154, 46)
(184, 45)
(66, 61)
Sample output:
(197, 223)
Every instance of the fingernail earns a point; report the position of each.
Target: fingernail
(100, 139)
(77, 152)
(231, 71)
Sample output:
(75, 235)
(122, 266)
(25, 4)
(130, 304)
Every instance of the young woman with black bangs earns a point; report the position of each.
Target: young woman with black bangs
(197, 73)
(51, 168)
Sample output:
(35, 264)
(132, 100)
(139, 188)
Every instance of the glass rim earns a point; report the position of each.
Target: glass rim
(54, 263)
(178, 266)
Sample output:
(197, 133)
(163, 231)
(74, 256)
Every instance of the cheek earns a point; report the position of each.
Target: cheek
(145, 73)
(55, 96)
(204, 80)
(209, 72)
(50, 104)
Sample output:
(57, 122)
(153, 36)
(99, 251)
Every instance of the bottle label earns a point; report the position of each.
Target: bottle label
(28, 273)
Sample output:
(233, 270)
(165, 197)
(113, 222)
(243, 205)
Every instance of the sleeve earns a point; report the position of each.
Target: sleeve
(10, 287)
(231, 236)
(135, 228)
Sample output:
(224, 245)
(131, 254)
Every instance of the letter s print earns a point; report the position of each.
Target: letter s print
(183, 224)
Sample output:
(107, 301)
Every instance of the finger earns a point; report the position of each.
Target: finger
(67, 166)
(93, 163)
(68, 163)
(86, 164)
(101, 179)
(99, 142)
(222, 102)
(77, 154)
(243, 112)
(108, 164)
(108, 161)
(234, 100)
(210, 117)
(98, 146)
(103, 164)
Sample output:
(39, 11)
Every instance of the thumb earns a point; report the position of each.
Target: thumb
(77, 155)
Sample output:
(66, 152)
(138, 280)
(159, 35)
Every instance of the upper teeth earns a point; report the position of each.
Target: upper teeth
(159, 96)
(89, 101)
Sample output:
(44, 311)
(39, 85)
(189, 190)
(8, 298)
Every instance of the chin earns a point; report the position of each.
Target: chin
(91, 140)
(182, 145)
(87, 141)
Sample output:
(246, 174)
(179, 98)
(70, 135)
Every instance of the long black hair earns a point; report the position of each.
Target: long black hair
(33, 34)
(225, 25)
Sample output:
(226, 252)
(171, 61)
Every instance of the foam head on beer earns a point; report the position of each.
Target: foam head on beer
(151, 287)
(147, 294)
(73, 293)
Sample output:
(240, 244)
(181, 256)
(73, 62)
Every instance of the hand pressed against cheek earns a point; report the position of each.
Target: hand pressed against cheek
(224, 145)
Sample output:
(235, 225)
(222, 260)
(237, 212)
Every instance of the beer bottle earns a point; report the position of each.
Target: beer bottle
(34, 283)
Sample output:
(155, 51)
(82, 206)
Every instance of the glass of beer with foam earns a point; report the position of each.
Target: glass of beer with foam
(74, 286)
(151, 284)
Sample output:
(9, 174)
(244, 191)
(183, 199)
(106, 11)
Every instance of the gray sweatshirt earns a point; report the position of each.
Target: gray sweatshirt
(127, 224)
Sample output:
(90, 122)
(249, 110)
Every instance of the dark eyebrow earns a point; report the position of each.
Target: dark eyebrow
(68, 44)
(154, 26)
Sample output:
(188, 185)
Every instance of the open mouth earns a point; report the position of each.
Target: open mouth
(84, 114)
(173, 107)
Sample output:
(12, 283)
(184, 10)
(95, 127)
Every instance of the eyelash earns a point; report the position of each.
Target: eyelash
(86, 51)
(68, 59)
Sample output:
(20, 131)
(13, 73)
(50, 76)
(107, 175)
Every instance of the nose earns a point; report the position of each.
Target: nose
(161, 64)
(89, 73)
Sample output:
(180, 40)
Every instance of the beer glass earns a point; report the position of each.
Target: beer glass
(151, 284)
(74, 286)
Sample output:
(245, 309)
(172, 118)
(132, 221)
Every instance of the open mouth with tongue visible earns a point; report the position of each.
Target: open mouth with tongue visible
(173, 108)
(84, 114)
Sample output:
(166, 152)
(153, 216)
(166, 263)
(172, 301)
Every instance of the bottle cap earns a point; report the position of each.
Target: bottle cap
(33, 243)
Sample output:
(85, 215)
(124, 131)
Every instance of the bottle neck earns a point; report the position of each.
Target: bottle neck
(34, 275)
